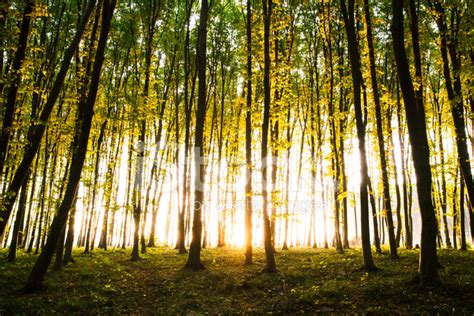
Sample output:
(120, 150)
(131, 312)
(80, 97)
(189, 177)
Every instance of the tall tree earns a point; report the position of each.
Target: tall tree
(194, 258)
(415, 115)
(269, 253)
(378, 117)
(349, 21)
(248, 142)
(449, 44)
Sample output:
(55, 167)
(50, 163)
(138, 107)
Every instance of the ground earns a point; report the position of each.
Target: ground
(308, 281)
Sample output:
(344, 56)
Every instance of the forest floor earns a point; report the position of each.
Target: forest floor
(308, 281)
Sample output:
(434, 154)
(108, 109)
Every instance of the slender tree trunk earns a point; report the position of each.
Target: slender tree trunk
(357, 82)
(455, 209)
(269, 253)
(18, 220)
(415, 113)
(248, 143)
(462, 219)
(378, 115)
(12, 91)
(180, 243)
(194, 258)
(70, 235)
(374, 218)
(406, 200)
(287, 180)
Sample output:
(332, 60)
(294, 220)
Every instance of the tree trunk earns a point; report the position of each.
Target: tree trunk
(357, 82)
(18, 220)
(70, 235)
(406, 198)
(449, 43)
(194, 258)
(269, 253)
(12, 91)
(375, 222)
(378, 117)
(415, 114)
(462, 219)
(248, 143)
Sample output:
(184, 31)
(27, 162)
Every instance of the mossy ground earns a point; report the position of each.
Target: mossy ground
(308, 281)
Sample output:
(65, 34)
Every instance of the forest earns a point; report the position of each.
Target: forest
(236, 156)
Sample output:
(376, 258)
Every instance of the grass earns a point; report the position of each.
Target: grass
(308, 281)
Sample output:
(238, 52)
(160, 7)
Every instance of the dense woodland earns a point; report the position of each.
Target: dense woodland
(196, 124)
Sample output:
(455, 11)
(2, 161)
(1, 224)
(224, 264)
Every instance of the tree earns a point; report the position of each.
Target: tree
(269, 253)
(378, 116)
(348, 15)
(415, 115)
(449, 43)
(194, 258)
(248, 142)
(10, 103)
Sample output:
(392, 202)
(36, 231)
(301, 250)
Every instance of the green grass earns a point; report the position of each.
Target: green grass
(308, 281)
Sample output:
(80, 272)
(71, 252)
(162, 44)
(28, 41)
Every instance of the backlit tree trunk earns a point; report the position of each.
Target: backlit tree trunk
(194, 258)
(415, 114)
(269, 253)
(349, 22)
